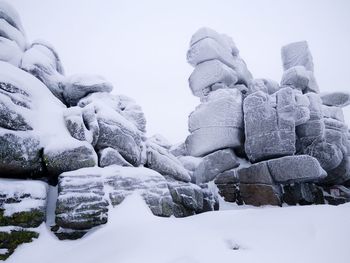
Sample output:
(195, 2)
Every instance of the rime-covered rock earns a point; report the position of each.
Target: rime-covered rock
(208, 45)
(338, 99)
(9, 14)
(59, 159)
(81, 202)
(266, 85)
(270, 123)
(42, 61)
(75, 124)
(10, 52)
(124, 105)
(325, 135)
(179, 149)
(84, 195)
(208, 73)
(124, 138)
(188, 198)
(190, 162)
(9, 32)
(79, 85)
(222, 39)
(35, 122)
(19, 154)
(161, 141)
(214, 164)
(14, 108)
(298, 168)
(284, 170)
(150, 184)
(110, 156)
(258, 173)
(162, 161)
(120, 124)
(216, 123)
(297, 54)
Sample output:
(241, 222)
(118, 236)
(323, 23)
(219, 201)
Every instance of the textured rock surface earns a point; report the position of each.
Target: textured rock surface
(19, 154)
(78, 156)
(80, 85)
(162, 161)
(297, 54)
(110, 156)
(208, 46)
(214, 164)
(270, 123)
(338, 99)
(84, 196)
(285, 170)
(216, 123)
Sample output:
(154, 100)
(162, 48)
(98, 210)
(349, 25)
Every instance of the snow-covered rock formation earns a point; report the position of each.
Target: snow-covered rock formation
(261, 142)
(71, 131)
(293, 141)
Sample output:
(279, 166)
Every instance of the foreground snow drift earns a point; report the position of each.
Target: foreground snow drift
(133, 234)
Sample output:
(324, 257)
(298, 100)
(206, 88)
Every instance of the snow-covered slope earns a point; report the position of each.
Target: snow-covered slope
(290, 234)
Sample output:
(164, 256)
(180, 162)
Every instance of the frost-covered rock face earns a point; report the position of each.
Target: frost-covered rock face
(276, 127)
(79, 86)
(84, 196)
(214, 164)
(216, 60)
(337, 99)
(34, 134)
(270, 123)
(217, 123)
(162, 161)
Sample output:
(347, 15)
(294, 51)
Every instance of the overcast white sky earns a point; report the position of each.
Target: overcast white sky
(140, 46)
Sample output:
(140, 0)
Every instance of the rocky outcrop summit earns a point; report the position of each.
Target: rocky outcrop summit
(292, 141)
(253, 141)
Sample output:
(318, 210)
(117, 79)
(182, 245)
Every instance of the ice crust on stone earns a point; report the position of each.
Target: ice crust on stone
(216, 123)
(297, 54)
(209, 73)
(338, 99)
(79, 85)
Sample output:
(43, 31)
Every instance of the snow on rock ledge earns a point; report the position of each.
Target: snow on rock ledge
(85, 196)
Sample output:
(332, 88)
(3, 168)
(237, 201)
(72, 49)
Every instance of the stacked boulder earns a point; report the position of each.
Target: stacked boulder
(71, 131)
(218, 79)
(292, 140)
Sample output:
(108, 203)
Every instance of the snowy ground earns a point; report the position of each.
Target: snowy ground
(289, 234)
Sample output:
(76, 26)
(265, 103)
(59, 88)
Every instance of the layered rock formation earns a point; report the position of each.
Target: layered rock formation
(71, 131)
(260, 142)
(293, 141)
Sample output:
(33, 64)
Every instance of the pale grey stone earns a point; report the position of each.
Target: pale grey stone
(297, 54)
(338, 99)
(214, 164)
(208, 73)
(110, 156)
(162, 161)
